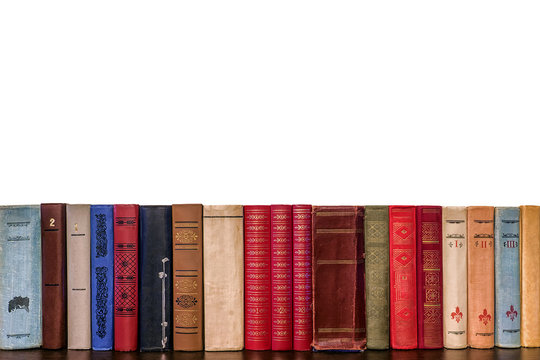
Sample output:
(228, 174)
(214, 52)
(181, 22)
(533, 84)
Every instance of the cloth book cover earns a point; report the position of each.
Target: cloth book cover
(338, 278)
(102, 264)
(223, 251)
(188, 276)
(155, 254)
(455, 277)
(20, 277)
(53, 264)
(481, 276)
(507, 294)
(126, 278)
(79, 336)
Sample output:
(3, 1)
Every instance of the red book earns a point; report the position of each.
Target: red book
(257, 292)
(429, 276)
(126, 264)
(302, 312)
(403, 329)
(281, 234)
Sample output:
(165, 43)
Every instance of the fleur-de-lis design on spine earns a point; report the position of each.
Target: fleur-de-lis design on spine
(484, 317)
(457, 315)
(512, 313)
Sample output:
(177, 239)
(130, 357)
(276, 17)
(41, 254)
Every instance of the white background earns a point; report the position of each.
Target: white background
(322, 102)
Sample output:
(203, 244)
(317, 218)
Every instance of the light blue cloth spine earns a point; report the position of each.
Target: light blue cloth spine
(507, 282)
(102, 260)
(20, 277)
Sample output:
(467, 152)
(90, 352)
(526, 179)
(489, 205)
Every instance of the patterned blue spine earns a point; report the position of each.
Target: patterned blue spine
(20, 277)
(102, 253)
(507, 283)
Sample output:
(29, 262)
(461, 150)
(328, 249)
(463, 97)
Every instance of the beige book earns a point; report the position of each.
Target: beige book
(455, 277)
(78, 276)
(223, 274)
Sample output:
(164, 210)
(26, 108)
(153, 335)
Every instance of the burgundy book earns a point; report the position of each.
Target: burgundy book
(258, 282)
(281, 236)
(126, 264)
(429, 276)
(53, 265)
(339, 320)
(302, 313)
(403, 322)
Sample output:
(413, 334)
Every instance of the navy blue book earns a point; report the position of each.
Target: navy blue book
(155, 285)
(102, 259)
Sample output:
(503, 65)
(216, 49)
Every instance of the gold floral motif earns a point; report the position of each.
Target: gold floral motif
(281, 333)
(280, 216)
(256, 217)
(186, 236)
(186, 318)
(186, 285)
(301, 227)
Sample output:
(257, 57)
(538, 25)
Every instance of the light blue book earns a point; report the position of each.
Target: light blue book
(507, 283)
(20, 277)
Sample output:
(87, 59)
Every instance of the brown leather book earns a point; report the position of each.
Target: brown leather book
(188, 277)
(481, 276)
(53, 265)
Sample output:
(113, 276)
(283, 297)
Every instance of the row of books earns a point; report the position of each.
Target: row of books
(280, 277)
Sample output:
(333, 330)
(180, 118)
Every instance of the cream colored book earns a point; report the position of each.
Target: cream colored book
(79, 333)
(223, 264)
(455, 277)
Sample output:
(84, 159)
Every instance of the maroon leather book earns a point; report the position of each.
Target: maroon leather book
(257, 284)
(429, 276)
(339, 321)
(126, 267)
(53, 267)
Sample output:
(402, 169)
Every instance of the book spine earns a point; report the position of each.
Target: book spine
(302, 312)
(188, 242)
(257, 255)
(377, 277)
(155, 255)
(429, 276)
(403, 324)
(79, 335)
(455, 277)
(223, 251)
(507, 294)
(481, 276)
(20, 277)
(530, 280)
(102, 264)
(126, 280)
(281, 247)
(53, 248)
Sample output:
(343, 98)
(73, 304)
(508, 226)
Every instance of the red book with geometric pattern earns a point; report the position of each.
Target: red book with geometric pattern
(429, 276)
(281, 233)
(403, 323)
(126, 297)
(302, 313)
(257, 278)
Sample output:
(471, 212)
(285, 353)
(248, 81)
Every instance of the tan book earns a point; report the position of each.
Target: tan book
(223, 277)
(530, 275)
(79, 333)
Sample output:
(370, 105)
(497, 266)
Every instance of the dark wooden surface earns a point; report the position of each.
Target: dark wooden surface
(470, 354)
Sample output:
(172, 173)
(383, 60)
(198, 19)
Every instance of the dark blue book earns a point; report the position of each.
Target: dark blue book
(102, 258)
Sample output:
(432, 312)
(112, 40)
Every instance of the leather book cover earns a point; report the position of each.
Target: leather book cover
(187, 255)
(302, 312)
(377, 277)
(102, 272)
(507, 294)
(403, 318)
(530, 279)
(339, 321)
(455, 277)
(258, 282)
(53, 265)
(155, 290)
(281, 237)
(126, 277)
(20, 277)
(429, 276)
(79, 336)
(481, 276)
(223, 261)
